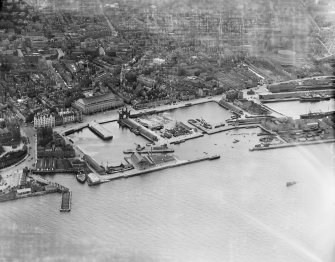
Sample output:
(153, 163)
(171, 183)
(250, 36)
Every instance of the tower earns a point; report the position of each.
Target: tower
(124, 113)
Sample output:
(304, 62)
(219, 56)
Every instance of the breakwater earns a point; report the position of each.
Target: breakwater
(285, 145)
(157, 168)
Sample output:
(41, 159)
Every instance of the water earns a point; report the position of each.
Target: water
(295, 108)
(237, 208)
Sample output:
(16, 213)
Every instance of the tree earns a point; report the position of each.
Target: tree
(131, 77)
(30, 118)
(181, 71)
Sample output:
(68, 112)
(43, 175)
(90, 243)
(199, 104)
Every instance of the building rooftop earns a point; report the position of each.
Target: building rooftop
(97, 99)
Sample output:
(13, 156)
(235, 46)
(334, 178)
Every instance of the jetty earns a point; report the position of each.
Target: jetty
(66, 201)
(100, 131)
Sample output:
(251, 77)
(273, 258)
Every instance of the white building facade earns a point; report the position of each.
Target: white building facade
(44, 120)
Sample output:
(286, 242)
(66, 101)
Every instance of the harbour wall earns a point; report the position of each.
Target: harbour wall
(293, 145)
(159, 168)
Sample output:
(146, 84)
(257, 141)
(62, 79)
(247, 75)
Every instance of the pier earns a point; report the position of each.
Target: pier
(100, 131)
(66, 201)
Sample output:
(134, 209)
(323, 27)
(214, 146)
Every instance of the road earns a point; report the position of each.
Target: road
(30, 159)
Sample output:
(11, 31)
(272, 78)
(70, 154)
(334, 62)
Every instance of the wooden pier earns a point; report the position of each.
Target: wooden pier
(66, 201)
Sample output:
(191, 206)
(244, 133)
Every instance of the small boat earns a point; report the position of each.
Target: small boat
(139, 147)
(292, 183)
(236, 141)
(81, 177)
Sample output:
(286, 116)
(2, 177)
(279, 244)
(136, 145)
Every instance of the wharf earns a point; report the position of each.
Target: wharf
(227, 128)
(169, 165)
(181, 139)
(145, 132)
(157, 168)
(66, 201)
(315, 142)
(99, 130)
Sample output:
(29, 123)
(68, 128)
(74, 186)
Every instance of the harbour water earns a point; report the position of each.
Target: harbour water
(295, 108)
(236, 208)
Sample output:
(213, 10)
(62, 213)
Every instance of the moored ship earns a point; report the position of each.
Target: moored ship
(81, 177)
(317, 115)
(314, 98)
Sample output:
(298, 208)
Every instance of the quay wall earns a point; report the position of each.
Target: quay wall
(181, 163)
